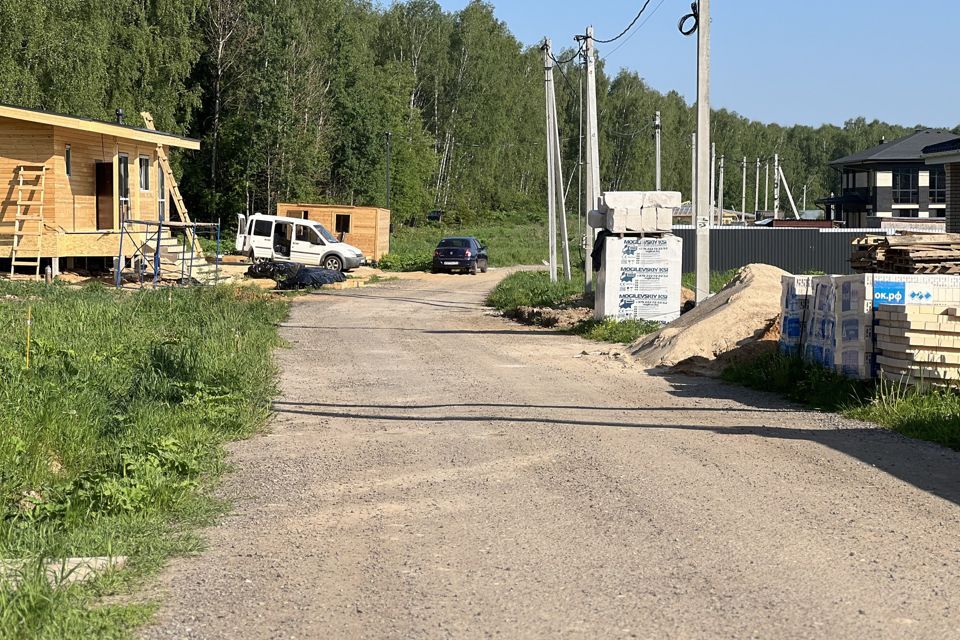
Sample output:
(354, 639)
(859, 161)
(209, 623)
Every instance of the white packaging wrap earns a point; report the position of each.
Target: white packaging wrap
(640, 278)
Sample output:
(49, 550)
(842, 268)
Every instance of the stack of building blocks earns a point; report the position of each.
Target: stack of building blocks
(918, 343)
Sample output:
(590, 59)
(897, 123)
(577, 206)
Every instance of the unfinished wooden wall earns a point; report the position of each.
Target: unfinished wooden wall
(21, 143)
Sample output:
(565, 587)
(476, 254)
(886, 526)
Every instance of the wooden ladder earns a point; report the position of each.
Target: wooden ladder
(172, 182)
(28, 221)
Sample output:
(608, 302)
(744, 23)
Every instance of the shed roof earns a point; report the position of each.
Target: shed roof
(908, 148)
(90, 125)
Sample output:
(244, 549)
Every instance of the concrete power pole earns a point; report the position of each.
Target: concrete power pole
(593, 156)
(656, 136)
(756, 190)
(776, 186)
(804, 197)
(703, 145)
(713, 183)
(720, 194)
(766, 187)
(693, 177)
(561, 209)
(551, 165)
(743, 192)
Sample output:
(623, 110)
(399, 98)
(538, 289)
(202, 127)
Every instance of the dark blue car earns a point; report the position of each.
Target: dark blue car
(460, 254)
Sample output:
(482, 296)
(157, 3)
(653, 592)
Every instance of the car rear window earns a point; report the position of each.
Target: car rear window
(455, 243)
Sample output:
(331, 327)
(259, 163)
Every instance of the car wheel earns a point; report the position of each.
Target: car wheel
(333, 263)
(483, 268)
(473, 268)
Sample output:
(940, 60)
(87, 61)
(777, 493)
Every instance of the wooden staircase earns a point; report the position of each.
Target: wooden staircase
(28, 221)
(178, 261)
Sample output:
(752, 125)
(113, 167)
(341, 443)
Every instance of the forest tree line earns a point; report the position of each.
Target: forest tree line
(293, 99)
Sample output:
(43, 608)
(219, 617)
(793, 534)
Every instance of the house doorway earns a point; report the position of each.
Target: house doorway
(104, 175)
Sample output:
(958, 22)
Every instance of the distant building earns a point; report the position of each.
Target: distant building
(891, 180)
(945, 156)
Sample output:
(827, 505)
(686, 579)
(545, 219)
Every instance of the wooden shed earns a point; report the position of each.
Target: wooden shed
(69, 183)
(366, 228)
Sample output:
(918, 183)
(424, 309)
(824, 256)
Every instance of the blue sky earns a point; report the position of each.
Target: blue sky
(784, 61)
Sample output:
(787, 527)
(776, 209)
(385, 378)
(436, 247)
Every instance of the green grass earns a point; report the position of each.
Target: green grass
(618, 331)
(928, 414)
(111, 438)
(718, 280)
(511, 239)
(533, 289)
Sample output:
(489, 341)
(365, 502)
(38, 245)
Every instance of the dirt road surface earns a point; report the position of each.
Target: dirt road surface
(434, 471)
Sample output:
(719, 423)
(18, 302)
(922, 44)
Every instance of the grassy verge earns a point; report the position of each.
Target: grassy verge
(718, 280)
(511, 239)
(929, 414)
(111, 437)
(534, 289)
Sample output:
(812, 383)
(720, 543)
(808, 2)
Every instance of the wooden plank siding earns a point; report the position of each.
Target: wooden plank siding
(70, 202)
(369, 226)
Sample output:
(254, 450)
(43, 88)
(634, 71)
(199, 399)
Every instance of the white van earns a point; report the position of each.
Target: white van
(263, 237)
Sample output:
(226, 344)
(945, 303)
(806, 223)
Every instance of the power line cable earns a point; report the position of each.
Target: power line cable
(693, 15)
(636, 31)
(572, 57)
(629, 26)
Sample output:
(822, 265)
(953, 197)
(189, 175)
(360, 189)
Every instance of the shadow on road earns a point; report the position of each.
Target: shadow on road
(928, 467)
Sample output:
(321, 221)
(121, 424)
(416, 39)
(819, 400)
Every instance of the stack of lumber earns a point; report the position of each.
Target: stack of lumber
(920, 253)
(918, 343)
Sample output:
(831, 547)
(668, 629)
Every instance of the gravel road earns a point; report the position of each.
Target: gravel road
(434, 471)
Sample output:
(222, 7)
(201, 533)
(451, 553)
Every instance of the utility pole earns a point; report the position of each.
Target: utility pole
(656, 136)
(720, 194)
(786, 187)
(561, 209)
(703, 144)
(693, 177)
(804, 197)
(389, 153)
(551, 165)
(713, 183)
(743, 192)
(593, 157)
(776, 186)
(766, 188)
(756, 191)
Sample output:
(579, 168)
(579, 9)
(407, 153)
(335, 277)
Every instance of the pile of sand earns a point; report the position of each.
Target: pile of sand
(737, 323)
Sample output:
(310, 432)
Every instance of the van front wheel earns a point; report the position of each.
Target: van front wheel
(333, 263)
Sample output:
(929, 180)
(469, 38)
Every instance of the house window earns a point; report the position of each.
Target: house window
(342, 223)
(906, 186)
(144, 173)
(67, 159)
(938, 185)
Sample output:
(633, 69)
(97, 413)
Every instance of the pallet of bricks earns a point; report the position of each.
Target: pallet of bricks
(912, 253)
(835, 321)
(918, 344)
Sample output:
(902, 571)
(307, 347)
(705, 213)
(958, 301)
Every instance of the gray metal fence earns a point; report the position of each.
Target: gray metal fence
(794, 250)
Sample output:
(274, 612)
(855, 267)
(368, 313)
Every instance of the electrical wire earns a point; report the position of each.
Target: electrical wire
(629, 26)
(693, 15)
(635, 31)
(572, 57)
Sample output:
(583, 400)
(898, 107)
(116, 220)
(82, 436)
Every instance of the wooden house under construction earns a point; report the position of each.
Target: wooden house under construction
(366, 228)
(73, 187)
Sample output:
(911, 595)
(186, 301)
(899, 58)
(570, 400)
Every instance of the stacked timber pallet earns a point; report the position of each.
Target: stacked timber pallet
(918, 343)
(921, 253)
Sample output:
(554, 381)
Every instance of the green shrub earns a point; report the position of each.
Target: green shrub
(418, 261)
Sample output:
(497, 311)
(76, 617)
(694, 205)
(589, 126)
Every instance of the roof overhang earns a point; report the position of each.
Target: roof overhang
(942, 157)
(99, 127)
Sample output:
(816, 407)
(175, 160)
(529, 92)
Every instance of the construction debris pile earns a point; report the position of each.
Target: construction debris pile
(920, 253)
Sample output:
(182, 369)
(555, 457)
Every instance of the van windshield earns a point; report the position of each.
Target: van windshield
(326, 235)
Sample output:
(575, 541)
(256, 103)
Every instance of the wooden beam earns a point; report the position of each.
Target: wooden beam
(97, 126)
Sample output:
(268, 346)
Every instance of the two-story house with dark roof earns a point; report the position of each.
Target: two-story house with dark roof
(890, 180)
(945, 156)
